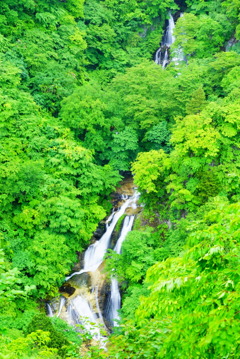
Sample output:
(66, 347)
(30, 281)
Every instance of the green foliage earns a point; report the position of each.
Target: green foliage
(196, 103)
(158, 137)
(121, 34)
(141, 96)
(201, 36)
(193, 299)
(124, 148)
(33, 346)
(81, 100)
(11, 284)
(136, 257)
(150, 170)
(57, 339)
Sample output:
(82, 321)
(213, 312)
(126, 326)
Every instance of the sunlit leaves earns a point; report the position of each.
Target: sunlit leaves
(200, 36)
(193, 299)
(149, 168)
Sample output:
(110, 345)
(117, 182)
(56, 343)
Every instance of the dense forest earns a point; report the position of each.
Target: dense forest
(82, 104)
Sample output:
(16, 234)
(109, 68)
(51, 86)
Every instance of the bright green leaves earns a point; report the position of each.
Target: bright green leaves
(197, 102)
(55, 181)
(193, 299)
(204, 160)
(136, 257)
(47, 48)
(9, 75)
(51, 191)
(158, 137)
(34, 345)
(196, 135)
(231, 80)
(48, 251)
(121, 34)
(149, 168)
(141, 95)
(200, 36)
(83, 111)
(124, 148)
(11, 286)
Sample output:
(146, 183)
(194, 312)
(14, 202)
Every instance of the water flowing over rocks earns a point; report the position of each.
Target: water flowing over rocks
(162, 55)
(88, 301)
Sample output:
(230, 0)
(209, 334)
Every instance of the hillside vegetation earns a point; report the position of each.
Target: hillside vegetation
(82, 102)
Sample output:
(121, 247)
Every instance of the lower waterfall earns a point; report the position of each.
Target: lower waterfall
(84, 308)
(115, 298)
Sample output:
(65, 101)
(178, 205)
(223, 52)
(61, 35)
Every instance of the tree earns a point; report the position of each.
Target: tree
(197, 102)
(200, 36)
(191, 309)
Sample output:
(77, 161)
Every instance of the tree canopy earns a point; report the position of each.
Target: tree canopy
(82, 104)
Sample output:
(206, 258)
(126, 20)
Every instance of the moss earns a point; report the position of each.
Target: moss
(119, 224)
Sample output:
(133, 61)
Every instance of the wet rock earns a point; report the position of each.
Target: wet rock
(100, 230)
(80, 280)
(116, 199)
(66, 288)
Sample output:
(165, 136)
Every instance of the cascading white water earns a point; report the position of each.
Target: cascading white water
(49, 310)
(165, 59)
(162, 54)
(79, 309)
(61, 304)
(115, 298)
(127, 226)
(169, 39)
(115, 302)
(95, 290)
(95, 253)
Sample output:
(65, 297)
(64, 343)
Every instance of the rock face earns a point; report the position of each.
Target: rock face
(126, 187)
(67, 290)
(100, 230)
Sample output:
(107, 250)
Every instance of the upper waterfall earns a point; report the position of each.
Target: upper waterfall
(162, 55)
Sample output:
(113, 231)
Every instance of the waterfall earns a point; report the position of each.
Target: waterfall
(127, 226)
(168, 38)
(162, 54)
(83, 308)
(49, 310)
(61, 304)
(81, 312)
(115, 298)
(115, 302)
(95, 253)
